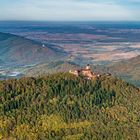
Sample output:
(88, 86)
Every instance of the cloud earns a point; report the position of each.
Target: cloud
(67, 10)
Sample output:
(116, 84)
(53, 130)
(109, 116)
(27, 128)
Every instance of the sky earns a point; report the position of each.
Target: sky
(70, 10)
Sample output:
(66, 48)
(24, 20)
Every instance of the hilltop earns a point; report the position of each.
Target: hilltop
(16, 50)
(129, 70)
(63, 106)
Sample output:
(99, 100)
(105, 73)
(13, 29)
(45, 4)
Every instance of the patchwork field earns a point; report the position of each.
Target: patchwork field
(86, 42)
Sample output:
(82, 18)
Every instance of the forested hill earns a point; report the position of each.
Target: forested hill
(65, 107)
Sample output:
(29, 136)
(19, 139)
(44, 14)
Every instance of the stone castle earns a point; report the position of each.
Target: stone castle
(85, 72)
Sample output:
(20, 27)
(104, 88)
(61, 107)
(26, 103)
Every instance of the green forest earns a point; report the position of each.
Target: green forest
(64, 107)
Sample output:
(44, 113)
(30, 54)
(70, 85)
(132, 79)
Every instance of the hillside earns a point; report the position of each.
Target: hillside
(65, 107)
(15, 50)
(129, 70)
(50, 68)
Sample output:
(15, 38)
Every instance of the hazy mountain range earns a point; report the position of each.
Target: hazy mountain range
(17, 51)
(128, 70)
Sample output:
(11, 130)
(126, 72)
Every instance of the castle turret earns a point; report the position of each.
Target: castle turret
(86, 72)
(88, 67)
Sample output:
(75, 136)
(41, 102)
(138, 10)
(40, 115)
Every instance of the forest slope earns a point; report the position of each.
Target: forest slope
(65, 107)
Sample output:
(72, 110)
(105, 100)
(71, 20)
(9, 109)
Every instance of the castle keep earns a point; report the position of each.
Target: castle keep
(86, 72)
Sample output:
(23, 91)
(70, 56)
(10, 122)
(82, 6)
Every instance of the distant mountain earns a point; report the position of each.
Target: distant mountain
(15, 50)
(65, 107)
(129, 70)
(50, 68)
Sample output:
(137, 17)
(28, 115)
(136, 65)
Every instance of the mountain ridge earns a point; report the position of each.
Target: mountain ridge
(129, 70)
(16, 50)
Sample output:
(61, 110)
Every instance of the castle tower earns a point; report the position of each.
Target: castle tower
(88, 67)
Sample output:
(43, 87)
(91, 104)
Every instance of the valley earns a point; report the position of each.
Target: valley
(37, 48)
(86, 42)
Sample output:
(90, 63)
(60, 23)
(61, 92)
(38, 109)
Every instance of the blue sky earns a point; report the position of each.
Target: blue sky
(70, 10)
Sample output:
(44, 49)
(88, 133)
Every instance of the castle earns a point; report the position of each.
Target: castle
(85, 72)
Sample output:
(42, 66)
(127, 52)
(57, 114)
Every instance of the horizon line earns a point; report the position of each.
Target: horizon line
(69, 20)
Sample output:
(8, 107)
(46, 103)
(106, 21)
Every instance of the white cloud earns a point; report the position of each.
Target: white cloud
(66, 10)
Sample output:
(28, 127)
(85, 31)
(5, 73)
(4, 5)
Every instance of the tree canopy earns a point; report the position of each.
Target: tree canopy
(62, 106)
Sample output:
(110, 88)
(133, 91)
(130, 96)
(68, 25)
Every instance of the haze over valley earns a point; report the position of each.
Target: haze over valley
(91, 42)
(27, 46)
